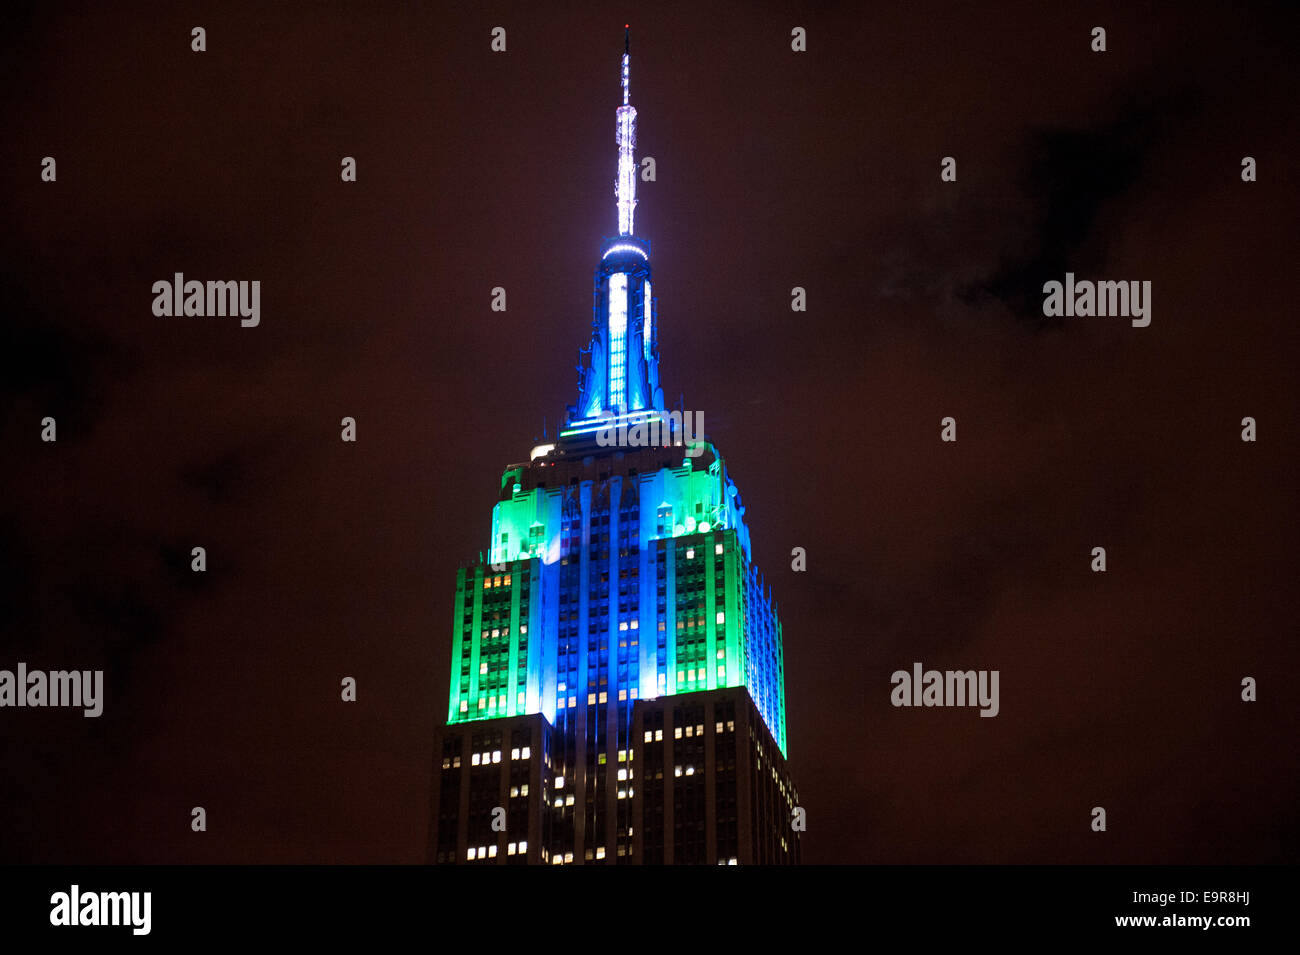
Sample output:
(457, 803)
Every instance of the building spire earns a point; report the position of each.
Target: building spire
(625, 186)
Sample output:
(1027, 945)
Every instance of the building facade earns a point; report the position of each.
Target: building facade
(617, 600)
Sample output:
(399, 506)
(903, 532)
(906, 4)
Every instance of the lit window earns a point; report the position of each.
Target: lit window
(648, 737)
(523, 847)
(635, 625)
(523, 790)
(677, 770)
(474, 759)
(602, 697)
(622, 775)
(634, 693)
(482, 668)
(464, 706)
(690, 553)
(514, 792)
(492, 851)
(510, 849)
(659, 734)
(622, 694)
(721, 654)
(568, 800)
(717, 548)
(677, 732)
(560, 688)
(622, 625)
(523, 628)
(600, 852)
(496, 756)
(470, 852)
(690, 731)
(525, 752)
(591, 698)
(559, 782)
(573, 701)
(690, 770)
(722, 617)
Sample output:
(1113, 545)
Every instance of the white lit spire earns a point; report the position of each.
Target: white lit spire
(625, 187)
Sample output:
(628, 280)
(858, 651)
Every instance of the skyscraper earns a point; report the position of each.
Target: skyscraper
(617, 680)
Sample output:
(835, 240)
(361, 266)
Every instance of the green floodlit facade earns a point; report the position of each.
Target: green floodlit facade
(653, 568)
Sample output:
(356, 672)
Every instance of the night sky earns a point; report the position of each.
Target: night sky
(775, 169)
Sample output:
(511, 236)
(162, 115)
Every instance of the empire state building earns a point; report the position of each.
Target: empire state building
(617, 684)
